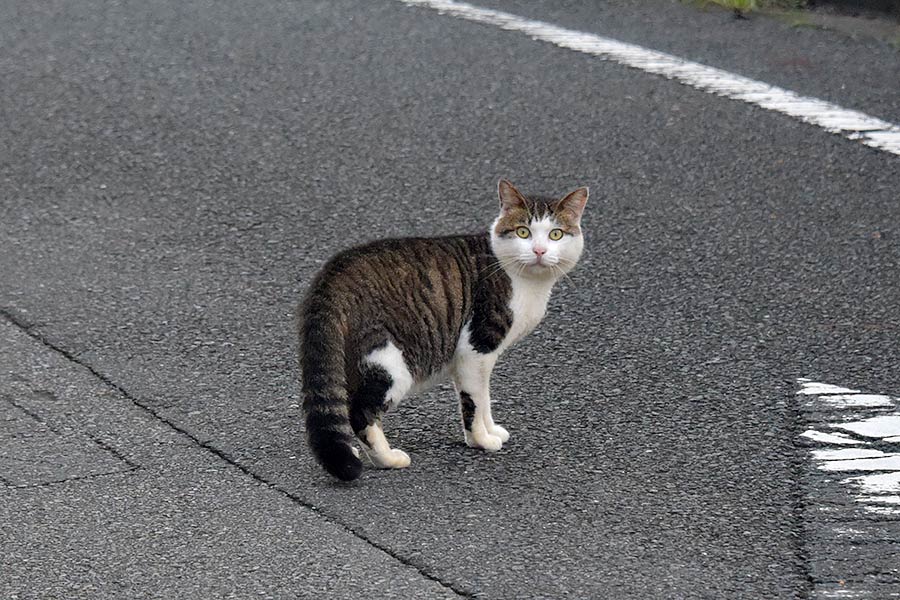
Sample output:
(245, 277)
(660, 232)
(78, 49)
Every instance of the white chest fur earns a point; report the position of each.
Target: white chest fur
(528, 305)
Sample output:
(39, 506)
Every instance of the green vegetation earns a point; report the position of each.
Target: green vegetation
(794, 18)
(742, 7)
(800, 14)
(739, 6)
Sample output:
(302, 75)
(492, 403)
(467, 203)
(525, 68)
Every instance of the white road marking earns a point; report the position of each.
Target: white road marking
(830, 438)
(883, 483)
(880, 499)
(852, 124)
(877, 420)
(858, 400)
(877, 427)
(811, 388)
(888, 462)
(888, 511)
(846, 454)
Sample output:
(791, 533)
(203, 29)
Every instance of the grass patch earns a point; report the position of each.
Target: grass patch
(801, 14)
(794, 18)
(746, 6)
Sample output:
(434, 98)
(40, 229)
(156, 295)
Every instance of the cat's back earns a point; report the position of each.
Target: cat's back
(391, 263)
(416, 292)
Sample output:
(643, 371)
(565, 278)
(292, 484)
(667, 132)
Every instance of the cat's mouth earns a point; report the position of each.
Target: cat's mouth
(538, 266)
(544, 261)
(534, 265)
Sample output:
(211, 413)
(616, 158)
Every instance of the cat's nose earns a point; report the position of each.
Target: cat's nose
(539, 251)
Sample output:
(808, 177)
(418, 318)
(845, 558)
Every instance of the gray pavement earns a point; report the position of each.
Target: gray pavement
(108, 501)
(173, 173)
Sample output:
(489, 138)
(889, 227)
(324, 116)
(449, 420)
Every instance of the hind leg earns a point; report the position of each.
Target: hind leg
(386, 380)
(376, 448)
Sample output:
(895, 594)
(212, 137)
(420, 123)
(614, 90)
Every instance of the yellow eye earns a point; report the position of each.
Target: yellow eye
(556, 234)
(523, 232)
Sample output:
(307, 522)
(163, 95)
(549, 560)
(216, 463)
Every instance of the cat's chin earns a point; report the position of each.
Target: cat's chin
(540, 271)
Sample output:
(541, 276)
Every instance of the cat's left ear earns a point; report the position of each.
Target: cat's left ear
(572, 206)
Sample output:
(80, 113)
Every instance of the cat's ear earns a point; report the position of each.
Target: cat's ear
(510, 198)
(572, 205)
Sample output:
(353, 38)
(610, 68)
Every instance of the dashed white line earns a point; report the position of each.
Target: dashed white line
(858, 400)
(830, 438)
(846, 454)
(880, 499)
(812, 388)
(884, 463)
(876, 422)
(852, 124)
(876, 427)
(882, 483)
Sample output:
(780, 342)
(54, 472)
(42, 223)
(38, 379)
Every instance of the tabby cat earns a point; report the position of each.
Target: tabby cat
(391, 318)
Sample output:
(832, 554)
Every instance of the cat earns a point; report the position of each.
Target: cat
(393, 317)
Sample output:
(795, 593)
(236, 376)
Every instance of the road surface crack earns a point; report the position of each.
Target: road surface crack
(221, 454)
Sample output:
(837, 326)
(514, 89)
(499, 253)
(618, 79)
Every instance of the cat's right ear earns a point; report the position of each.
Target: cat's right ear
(510, 198)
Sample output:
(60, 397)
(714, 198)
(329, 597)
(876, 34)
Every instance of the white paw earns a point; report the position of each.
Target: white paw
(392, 459)
(486, 441)
(500, 432)
(399, 459)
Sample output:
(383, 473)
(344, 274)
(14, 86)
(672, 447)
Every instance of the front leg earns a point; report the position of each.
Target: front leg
(492, 427)
(472, 375)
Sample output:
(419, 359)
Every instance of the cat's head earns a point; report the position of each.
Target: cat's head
(538, 237)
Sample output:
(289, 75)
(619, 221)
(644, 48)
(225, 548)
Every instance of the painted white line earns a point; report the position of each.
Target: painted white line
(851, 124)
(811, 388)
(877, 427)
(858, 401)
(880, 499)
(888, 462)
(846, 454)
(842, 594)
(877, 492)
(888, 511)
(830, 438)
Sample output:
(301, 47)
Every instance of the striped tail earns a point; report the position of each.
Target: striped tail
(325, 400)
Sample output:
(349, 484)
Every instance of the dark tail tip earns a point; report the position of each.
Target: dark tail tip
(336, 456)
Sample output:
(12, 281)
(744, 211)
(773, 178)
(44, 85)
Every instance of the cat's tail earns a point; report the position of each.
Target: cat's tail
(325, 399)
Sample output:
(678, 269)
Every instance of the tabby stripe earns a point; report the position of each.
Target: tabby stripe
(427, 312)
(327, 406)
(467, 408)
(317, 421)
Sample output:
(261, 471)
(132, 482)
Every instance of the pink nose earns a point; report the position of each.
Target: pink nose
(540, 251)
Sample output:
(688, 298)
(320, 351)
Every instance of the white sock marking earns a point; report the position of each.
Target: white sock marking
(851, 124)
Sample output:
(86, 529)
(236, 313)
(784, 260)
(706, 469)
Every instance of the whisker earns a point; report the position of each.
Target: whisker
(565, 275)
(496, 267)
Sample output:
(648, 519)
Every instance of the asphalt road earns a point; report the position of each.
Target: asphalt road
(173, 173)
